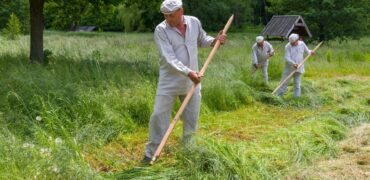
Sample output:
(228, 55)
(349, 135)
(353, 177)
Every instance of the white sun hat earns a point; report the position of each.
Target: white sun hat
(293, 37)
(259, 39)
(170, 6)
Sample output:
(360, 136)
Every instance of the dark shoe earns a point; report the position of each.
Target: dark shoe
(146, 160)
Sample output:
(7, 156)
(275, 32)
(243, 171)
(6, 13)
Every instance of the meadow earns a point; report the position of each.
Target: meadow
(84, 114)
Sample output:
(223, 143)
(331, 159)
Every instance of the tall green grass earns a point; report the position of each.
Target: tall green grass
(100, 86)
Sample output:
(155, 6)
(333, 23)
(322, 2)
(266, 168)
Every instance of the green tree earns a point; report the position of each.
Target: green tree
(20, 8)
(214, 13)
(67, 15)
(150, 14)
(102, 15)
(242, 11)
(13, 28)
(328, 19)
(260, 15)
(131, 18)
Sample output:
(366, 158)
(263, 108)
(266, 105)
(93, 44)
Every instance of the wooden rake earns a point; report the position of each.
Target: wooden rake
(190, 94)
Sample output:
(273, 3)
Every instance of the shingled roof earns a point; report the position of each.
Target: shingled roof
(284, 25)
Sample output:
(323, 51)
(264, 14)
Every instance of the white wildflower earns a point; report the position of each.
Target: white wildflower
(45, 151)
(38, 118)
(37, 174)
(28, 145)
(55, 169)
(12, 138)
(58, 140)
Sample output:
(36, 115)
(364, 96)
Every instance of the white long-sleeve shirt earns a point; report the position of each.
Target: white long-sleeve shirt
(295, 55)
(261, 54)
(179, 55)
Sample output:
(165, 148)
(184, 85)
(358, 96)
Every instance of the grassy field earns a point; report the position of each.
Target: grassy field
(85, 114)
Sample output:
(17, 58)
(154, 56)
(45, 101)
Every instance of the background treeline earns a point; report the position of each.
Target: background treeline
(326, 19)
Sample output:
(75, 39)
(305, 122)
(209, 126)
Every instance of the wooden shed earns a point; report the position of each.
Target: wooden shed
(284, 25)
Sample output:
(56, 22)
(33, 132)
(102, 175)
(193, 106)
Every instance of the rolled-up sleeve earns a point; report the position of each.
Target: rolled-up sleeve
(167, 53)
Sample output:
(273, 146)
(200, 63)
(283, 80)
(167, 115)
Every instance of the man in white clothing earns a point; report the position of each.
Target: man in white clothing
(294, 55)
(261, 51)
(177, 39)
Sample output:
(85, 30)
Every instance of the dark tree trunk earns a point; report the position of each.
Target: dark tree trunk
(264, 12)
(321, 35)
(37, 30)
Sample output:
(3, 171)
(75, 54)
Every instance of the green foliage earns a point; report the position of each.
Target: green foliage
(260, 15)
(130, 17)
(64, 15)
(18, 7)
(325, 18)
(13, 28)
(151, 15)
(214, 13)
(140, 15)
(102, 15)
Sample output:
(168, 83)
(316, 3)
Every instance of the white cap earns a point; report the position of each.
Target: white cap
(259, 39)
(170, 6)
(293, 37)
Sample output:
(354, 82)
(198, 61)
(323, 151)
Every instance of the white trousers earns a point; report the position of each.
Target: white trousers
(160, 120)
(264, 70)
(297, 83)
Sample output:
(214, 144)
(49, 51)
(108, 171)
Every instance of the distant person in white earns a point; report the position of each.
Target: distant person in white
(261, 51)
(177, 39)
(294, 55)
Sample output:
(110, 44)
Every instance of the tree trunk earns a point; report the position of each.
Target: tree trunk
(264, 12)
(321, 34)
(37, 30)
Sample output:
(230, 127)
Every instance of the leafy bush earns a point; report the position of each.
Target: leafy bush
(130, 17)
